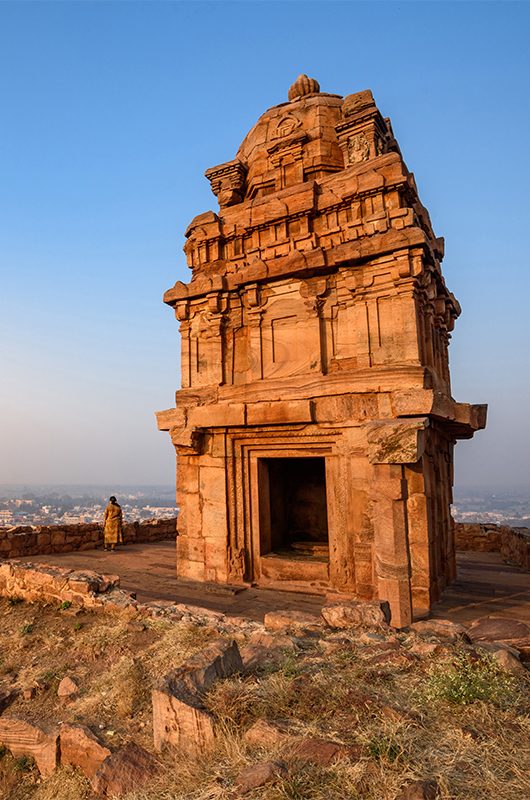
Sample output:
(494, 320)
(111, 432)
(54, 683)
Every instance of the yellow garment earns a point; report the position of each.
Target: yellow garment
(113, 524)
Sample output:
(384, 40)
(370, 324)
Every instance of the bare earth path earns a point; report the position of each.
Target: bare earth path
(484, 585)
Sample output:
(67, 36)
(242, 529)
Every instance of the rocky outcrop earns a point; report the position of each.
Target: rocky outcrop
(179, 716)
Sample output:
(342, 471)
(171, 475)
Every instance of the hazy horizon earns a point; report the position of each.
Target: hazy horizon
(112, 113)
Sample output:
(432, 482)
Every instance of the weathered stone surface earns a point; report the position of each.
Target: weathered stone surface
(67, 688)
(82, 749)
(180, 720)
(497, 629)
(509, 663)
(255, 656)
(6, 698)
(323, 752)
(314, 370)
(426, 649)
(25, 739)
(285, 620)
(179, 717)
(356, 614)
(396, 442)
(442, 628)
(267, 734)
(124, 771)
(420, 790)
(258, 775)
(273, 640)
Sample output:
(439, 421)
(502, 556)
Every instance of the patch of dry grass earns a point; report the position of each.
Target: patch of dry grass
(408, 729)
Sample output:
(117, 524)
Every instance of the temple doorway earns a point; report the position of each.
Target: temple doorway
(294, 541)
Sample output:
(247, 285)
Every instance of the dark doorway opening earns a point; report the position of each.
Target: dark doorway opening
(294, 517)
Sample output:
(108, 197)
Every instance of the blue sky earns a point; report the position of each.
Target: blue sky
(111, 112)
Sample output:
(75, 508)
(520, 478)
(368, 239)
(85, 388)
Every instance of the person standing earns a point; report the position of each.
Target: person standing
(112, 529)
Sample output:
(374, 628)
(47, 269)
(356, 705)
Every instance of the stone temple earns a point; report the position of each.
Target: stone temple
(315, 424)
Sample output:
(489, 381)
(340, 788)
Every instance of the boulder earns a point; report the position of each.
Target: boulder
(124, 771)
(297, 620)
(441, 628)
(179, 716)
(266, 734)
(24, 739)
(497, 629)
(355, 614)
(81, 749)
(258, 775)
(420, 790)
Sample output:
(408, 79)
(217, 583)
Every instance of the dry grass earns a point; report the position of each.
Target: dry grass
(453, 717)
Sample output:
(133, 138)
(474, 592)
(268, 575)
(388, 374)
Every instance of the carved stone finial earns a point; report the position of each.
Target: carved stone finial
(302, 86)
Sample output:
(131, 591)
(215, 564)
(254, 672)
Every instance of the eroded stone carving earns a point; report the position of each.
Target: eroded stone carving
(358, 148)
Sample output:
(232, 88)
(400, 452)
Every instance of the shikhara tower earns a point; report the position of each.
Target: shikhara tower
(315, 424)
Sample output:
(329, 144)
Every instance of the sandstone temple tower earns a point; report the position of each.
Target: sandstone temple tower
(315, 425)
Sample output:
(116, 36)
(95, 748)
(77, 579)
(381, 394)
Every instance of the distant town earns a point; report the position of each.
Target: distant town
(501, 507)
(70, 505)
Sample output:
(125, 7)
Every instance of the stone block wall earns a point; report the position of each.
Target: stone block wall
(16, 542)
(512, 543)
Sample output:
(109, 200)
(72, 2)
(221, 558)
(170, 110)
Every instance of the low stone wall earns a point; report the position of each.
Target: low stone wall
(512, 543)
(35, 541)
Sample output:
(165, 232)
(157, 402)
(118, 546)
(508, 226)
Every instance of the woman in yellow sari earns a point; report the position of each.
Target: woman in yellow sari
(112, 530)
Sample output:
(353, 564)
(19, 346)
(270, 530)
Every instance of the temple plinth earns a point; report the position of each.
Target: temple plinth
(315, 424)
